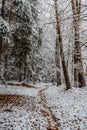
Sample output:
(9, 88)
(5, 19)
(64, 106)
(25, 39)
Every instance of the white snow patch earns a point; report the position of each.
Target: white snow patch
(18, 90)
(70, 107)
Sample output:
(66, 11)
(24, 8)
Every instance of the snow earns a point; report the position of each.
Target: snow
(42, 84)
(21, 113)
(18, 90)
(33, 108)
(5, 31)
(70, 107)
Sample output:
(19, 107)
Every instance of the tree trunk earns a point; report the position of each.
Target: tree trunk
(25, 71)
(5, 67)
(65, 71)
(57, 60)
(3, 9)
(78, 66)
(1, 60)
(11, 13)
(20, 75)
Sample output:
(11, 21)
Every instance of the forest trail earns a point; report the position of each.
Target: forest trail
(47, 112)
(27, 110)
(43, 107)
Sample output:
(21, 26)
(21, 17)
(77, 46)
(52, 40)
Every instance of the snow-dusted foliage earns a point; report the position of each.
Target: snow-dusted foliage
(5, 32)
(21, 23)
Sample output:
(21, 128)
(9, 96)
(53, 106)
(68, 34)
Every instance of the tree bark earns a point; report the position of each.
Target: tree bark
(3, 9)
(78, 66)
(25, 72)
(57, 60)
(65, 71)
(20, 74)
(11, 13)
(5, 67)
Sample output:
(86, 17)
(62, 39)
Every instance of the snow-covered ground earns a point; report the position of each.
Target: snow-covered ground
(45, 107)
(19, 90)
(21, 108)
(70, 107)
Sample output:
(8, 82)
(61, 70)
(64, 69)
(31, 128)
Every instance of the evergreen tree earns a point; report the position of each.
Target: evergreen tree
(22, 17)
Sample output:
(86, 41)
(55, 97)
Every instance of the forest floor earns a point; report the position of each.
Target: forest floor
(43, 107)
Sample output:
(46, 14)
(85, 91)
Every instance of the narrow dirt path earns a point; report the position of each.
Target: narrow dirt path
(47, 112)
(26, 111)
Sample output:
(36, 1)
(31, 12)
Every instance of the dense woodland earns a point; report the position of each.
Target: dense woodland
(22, 38)
(22, 34)
(43, 64)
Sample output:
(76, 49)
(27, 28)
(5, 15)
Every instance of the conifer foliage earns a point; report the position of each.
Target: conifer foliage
(19, 26)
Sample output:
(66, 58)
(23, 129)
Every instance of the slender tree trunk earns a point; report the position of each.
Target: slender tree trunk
(25, 71)
(11, 13)
(3, 9)
(1, 61)
(68, 51)
(65, 71)
(57, 60)
(78, 66)
(1, 58)
(0, 50)
(5, 67)
(20, 75)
